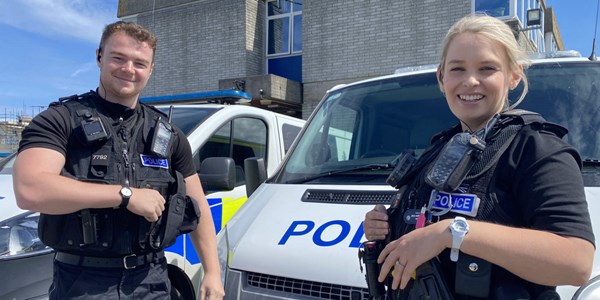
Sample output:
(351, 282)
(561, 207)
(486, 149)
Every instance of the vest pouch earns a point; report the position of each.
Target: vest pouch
(180, 216)
(50, 229)
(100, 161)
(70, 232)
(473, 276)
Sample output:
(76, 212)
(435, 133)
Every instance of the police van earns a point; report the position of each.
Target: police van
(298, 236)
(221, 136)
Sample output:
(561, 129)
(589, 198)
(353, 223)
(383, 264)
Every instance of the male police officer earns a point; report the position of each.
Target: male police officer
(99, 167)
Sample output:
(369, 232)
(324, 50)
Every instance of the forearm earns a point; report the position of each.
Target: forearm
(205, 243)
(204, 237)
(537, 256)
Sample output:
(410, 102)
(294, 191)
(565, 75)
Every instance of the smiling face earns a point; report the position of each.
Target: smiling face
(125, 67)
(476, 78)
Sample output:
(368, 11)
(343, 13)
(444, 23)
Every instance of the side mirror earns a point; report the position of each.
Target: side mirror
(217, 174)
(256, 173)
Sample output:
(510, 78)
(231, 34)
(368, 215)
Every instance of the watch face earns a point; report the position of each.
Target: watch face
(460, 226)
(125, 191)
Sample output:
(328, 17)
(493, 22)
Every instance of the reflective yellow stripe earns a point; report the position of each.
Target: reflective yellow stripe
(230, 207)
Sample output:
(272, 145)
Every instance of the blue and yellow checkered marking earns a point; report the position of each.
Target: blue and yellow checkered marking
(222, 210)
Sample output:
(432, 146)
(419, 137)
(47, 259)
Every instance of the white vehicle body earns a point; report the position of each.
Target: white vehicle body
(299, 234)
(213, 130)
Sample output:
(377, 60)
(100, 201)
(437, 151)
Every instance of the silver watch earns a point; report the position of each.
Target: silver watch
(459, 228)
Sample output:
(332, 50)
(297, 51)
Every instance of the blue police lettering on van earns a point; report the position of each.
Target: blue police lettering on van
(304, 227)
(466, 204)
(149, 161)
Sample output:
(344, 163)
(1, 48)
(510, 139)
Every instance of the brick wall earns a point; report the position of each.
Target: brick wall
(347, 40)
(200, 42)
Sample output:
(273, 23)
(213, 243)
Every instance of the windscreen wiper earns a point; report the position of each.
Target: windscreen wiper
(335, 172)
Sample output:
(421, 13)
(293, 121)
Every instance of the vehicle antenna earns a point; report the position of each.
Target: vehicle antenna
(593, 55)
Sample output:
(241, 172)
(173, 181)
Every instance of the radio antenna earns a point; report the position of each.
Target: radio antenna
(593, 55)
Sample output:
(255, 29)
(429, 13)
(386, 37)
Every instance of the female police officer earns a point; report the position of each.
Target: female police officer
(92, 166)
(532, 222)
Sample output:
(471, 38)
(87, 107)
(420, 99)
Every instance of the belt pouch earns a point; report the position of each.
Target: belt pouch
(473, 276)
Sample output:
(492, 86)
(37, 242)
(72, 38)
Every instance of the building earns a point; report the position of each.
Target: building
(10, 134)
(287, 53)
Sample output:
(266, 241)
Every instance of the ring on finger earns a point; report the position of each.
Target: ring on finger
(400, 264)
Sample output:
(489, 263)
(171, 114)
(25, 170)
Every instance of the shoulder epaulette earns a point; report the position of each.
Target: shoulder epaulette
(529, 118)
(154, 109)
(62, 100)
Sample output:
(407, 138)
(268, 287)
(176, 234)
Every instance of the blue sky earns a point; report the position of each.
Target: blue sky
(48, 46)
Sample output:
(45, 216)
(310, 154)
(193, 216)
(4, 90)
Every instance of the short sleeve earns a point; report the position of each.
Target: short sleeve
(49, 129)
(548, 185)
(182, 155)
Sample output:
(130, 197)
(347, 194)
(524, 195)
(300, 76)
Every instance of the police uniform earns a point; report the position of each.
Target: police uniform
(108, 253)
(527, 177)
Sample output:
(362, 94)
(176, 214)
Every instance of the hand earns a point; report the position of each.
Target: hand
(376, 223)
(211, 288)
(147, 203)
(405, 254)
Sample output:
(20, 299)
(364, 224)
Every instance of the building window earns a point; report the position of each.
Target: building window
(493, 8)
(284, 28)
(514, 10)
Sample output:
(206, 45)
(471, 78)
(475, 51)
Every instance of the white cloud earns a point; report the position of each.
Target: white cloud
(85, 68)
(83, 20)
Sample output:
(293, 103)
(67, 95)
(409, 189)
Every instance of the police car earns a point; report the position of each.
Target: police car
(225, 134)
(298, 235)
(25, 263)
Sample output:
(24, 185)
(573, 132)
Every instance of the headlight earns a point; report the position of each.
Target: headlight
(590, 290)
(223, 252)
(19, 236)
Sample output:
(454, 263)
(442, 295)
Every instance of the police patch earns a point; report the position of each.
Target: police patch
(465, 204)
(149, 161)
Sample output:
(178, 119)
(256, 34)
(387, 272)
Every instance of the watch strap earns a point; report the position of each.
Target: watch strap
(124, 198)
(124, 202)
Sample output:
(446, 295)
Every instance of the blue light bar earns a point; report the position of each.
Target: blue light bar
(220, 96)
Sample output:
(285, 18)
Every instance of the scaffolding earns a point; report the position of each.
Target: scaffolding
(11, 126)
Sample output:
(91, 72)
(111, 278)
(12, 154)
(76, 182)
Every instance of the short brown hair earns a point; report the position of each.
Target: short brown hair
(133, 30)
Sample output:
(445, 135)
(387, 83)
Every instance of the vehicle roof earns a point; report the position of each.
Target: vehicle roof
(536, 58)
(236, 108)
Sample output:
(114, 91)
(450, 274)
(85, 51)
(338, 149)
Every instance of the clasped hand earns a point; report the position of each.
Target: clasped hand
(147, 203)
(402, 256)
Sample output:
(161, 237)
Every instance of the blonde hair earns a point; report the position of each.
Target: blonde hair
(495, 30)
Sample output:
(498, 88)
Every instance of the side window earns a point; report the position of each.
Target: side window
(289, 133)
(218, 145)
(239, 139)
(249, 140)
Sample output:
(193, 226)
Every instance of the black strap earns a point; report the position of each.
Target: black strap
(127, 262)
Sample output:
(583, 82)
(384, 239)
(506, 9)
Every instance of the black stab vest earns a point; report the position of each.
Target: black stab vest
(415, 192)
(116, 160)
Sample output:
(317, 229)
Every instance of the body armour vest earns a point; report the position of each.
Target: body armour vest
(110, 152)
(480, 180)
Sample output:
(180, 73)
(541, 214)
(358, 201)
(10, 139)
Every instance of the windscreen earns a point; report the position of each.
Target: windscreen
(187, 118)
(370, 124)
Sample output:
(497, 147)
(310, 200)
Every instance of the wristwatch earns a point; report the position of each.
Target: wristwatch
(459, 228)
(125, 195)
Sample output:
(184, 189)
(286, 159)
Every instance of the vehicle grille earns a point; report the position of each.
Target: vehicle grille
(352, 197)
(305, 287)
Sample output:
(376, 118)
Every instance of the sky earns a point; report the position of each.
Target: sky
(47, 47)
